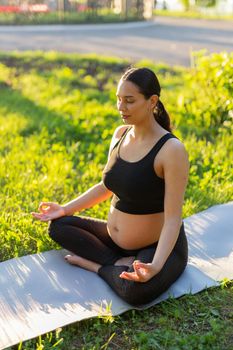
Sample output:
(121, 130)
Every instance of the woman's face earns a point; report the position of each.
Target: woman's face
(132, 105)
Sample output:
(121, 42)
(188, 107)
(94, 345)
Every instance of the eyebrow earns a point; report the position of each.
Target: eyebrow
(125, 96)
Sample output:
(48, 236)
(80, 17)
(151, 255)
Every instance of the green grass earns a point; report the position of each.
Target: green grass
(57, 115)
(192, 14)
(102, 16)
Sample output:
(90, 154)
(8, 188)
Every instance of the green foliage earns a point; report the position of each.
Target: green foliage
(208, 100)
(51, 340)
(206, 3)
(194, 12)
(57, 116)
(186, 4)
(103, 15)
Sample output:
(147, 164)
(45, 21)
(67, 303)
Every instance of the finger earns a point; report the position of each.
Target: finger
(139, 273)
(44, 209)
(131, 276)
(36, 215)
(40, 208)
(142, 273)
(45, 218)
(41, 217)
(137, 266)
(41, 204)
(140, 265)
(45, 205)
(137, 263)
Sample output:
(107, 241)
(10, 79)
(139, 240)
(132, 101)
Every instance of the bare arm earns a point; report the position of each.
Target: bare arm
(176, 169)
(96, 194)
(50, 210)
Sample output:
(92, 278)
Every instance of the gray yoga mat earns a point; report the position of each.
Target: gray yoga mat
(41, 292)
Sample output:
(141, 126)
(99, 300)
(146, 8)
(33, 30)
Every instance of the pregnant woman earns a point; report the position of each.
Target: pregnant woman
(142, 248)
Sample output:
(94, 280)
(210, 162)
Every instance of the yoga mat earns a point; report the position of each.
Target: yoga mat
(41, 292)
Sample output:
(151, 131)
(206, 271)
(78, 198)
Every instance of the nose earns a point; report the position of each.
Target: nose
(121, 106)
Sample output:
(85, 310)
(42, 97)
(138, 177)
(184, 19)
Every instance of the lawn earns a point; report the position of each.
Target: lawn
(57, 115)
(193, 14)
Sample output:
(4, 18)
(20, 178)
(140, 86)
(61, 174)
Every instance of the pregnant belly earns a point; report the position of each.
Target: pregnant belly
(131, 231)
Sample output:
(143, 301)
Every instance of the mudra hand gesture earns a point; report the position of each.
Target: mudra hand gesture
(49, 211)
(142, 272)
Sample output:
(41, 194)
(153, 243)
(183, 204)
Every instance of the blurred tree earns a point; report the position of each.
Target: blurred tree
(110, 3)
(93, 6)
(186, 4)
(140, 8)
(206, 3)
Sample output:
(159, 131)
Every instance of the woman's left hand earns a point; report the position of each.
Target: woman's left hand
(142, 272)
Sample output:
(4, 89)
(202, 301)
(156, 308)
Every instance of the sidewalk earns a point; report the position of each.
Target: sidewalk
(79, 27)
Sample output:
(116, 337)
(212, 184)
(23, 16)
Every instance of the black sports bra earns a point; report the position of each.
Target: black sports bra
(136, 187)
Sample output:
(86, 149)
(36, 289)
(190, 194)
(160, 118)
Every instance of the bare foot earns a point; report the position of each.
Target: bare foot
(127, 260)
(82, 262)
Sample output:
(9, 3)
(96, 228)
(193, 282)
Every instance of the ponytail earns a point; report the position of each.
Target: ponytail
(161, 116)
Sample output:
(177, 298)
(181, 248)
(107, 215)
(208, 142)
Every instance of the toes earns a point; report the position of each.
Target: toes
(71, 259)
(67, 257)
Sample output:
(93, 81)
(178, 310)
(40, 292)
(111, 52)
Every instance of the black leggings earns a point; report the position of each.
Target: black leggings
(89, 238)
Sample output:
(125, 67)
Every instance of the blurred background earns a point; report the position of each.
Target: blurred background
(92, 10)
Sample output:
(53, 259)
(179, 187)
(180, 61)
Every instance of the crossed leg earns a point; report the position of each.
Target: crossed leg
(90, 242)
(94, 267)
(94, 250)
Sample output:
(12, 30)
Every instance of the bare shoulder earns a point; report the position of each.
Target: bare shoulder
(175, 147)
(173, 151)
(116, 136)
(119, 131)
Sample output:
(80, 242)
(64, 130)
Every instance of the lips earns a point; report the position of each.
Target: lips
(125, 116)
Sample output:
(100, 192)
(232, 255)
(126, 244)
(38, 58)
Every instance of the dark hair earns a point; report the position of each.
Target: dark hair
(148, 85)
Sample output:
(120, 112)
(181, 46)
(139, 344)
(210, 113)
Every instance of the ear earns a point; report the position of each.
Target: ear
(154, 100)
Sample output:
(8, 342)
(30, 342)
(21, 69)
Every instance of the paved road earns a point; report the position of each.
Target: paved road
(167, 40)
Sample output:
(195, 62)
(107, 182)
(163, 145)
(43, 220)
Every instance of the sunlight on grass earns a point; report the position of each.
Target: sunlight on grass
(57, 116)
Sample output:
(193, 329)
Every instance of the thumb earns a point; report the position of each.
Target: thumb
(139, 264)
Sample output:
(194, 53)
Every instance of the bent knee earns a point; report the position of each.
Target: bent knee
(56, 227)
(132, 293)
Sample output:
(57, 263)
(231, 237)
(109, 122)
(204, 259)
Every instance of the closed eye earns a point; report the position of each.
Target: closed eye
(126, 100)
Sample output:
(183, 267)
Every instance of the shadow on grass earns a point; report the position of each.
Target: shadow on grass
(38, 117)
(41, 62)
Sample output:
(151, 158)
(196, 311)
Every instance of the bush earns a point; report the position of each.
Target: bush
(206, 105)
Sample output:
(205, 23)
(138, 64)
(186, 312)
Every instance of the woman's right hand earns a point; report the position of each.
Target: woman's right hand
(49, 211)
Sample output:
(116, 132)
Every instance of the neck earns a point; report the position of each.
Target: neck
(146, 130)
